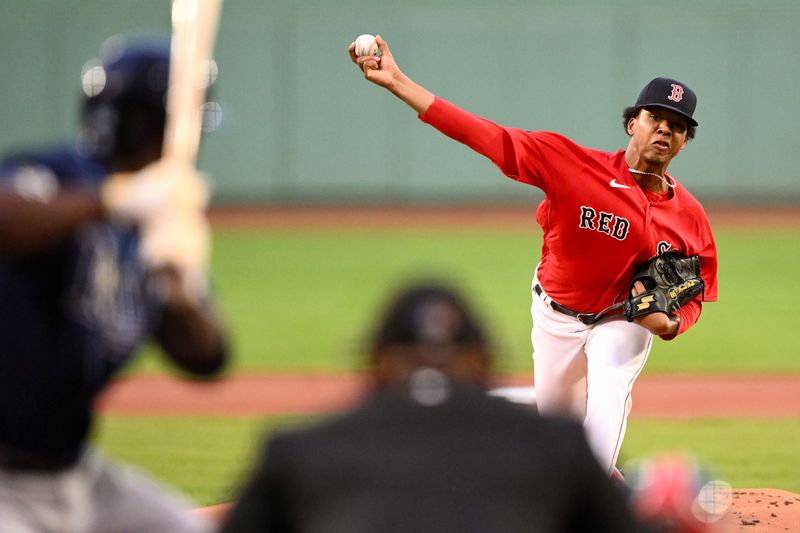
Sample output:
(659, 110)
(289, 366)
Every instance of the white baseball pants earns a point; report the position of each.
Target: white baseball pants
(94, 496)
(587, 372)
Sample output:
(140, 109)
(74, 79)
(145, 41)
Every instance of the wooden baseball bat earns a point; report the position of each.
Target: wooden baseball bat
(194, 31)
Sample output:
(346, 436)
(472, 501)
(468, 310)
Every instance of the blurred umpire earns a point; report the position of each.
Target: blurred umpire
(429, 450)
(102, 246)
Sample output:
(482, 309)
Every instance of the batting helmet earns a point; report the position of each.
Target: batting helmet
(124, 109)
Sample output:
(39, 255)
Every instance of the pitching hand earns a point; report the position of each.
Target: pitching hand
(655, 323)
(383, 71)
(380, 70)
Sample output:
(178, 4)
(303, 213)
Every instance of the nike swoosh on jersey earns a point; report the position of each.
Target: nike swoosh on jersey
(616, 185)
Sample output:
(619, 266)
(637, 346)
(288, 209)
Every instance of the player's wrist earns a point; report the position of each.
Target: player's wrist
(676, 324)
(399, 84)
(413, 94)
(671, 331)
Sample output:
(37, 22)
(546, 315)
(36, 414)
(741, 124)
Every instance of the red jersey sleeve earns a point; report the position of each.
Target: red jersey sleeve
(708, 264)
(690, 312)
(521, 155)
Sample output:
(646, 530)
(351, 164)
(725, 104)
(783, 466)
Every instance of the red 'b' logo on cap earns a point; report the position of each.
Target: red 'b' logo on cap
(677, 93)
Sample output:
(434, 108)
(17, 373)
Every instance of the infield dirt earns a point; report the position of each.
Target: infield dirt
(673, 397)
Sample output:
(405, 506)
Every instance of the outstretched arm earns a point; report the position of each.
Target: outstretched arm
(489, 139)
(384, 72)
(29, 226)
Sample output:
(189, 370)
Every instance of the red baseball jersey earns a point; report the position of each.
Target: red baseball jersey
(598, 223)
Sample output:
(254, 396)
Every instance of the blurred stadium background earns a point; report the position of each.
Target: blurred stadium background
(296, 113)
(300, 127)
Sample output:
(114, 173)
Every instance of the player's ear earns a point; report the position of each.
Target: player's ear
(631, 125)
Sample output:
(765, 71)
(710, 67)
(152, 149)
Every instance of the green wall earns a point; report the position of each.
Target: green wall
(301, 124)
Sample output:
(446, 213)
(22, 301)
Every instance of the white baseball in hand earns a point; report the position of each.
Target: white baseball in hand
(366, 46)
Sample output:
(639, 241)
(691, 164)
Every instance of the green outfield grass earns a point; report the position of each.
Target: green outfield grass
(302, 300)
(748, 453)
(207, 457)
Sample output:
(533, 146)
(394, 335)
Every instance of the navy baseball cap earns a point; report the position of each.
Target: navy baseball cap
(669, 94)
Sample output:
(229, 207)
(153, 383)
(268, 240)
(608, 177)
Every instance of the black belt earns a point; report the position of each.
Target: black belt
(584, 318)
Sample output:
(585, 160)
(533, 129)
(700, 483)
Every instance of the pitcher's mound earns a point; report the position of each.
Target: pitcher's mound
(752, 510)
(762, 510)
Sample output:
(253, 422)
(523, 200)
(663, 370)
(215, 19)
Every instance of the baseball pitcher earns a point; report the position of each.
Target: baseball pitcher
(604, 216)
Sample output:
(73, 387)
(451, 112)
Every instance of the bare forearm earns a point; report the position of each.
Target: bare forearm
(28, 227)
(666, 326)
(677, 324)
(193, 339)
(413, 94)
(190, 331)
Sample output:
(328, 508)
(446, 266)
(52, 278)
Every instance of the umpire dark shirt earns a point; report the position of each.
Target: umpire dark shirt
(469, 464)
